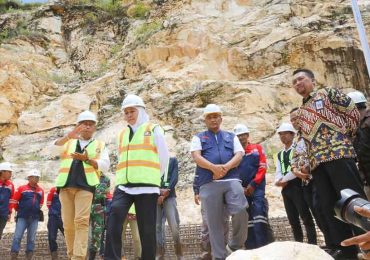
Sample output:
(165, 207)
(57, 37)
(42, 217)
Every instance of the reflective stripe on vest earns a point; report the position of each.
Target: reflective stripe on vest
(94, 149)
(282, 164)
(166, 183)
(138, 160)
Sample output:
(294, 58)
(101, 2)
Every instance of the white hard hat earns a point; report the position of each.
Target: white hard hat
(211, 109)
(241, 129)
(286, 127)
(5, 166)
(132, 101)
(86, 116)
(33, 172)
(357, 97)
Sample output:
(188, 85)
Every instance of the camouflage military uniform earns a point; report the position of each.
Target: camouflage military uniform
(97, 215)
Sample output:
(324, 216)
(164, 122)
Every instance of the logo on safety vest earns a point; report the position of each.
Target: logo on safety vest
(147, 133)
(98, 150)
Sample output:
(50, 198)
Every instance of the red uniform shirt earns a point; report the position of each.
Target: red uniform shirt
(260, 175)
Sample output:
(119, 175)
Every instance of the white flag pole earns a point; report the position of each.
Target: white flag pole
(362, 34)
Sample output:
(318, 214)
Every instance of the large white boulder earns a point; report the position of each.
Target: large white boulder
(282, 251)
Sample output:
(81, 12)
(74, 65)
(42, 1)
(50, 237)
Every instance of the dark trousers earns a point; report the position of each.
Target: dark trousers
(3, 221)
(55, 223)
(311, 198)
(296, 206)
(259, 229)
(146, 214)
(329, 179)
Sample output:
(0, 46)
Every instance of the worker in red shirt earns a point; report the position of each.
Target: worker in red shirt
(55, 222)
(252, 171)
(28, 200)
(6, 194)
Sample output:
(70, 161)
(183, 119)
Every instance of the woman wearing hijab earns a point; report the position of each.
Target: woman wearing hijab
(142, 159)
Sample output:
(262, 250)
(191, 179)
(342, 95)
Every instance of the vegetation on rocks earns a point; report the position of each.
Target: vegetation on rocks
(7, 6)
(144, 31)
(21, 29)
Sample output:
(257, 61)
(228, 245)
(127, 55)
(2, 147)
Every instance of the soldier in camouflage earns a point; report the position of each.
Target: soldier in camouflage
(97, 216)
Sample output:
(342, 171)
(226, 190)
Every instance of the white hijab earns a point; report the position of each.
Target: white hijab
(142, 118)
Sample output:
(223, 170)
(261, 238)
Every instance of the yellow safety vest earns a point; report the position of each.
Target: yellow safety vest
(138, 160)
(280, 156)
(94, 149)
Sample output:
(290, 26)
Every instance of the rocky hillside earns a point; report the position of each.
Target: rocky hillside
(66, 57)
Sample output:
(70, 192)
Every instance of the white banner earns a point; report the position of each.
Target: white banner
(362, 33)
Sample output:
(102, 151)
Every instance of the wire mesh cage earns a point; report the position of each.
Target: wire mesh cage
(190, 237)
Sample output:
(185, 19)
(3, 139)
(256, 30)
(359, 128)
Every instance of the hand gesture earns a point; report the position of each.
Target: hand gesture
(80, 156)
(363, 241)
(219, 171)
(301, 175)
(75, 133)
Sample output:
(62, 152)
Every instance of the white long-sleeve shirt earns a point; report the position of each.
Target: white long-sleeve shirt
(164, 156)
(279, 175)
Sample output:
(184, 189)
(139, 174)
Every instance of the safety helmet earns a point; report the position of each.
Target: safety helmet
(240, 129)
(33, 172)
(357, 97)
(6, 166)
(86, 116)
(286, 127)
(211, 109)
(132, 101)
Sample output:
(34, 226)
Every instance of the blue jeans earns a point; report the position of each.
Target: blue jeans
(168, 210)
(22, 224)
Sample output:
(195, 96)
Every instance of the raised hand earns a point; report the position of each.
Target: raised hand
(75, 133)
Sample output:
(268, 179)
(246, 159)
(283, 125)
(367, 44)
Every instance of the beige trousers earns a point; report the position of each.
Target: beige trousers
(76, 206)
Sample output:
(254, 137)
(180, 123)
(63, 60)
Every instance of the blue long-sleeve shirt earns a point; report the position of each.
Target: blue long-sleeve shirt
(172, 177)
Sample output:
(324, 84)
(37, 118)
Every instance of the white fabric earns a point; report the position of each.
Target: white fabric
(163, 154)
(197, 146)
(278, 175)
(142, 118)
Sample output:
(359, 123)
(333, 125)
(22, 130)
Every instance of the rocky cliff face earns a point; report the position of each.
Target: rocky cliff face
(67, 57)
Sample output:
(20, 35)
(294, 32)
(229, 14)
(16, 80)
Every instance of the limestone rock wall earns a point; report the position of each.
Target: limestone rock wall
(182, 55)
